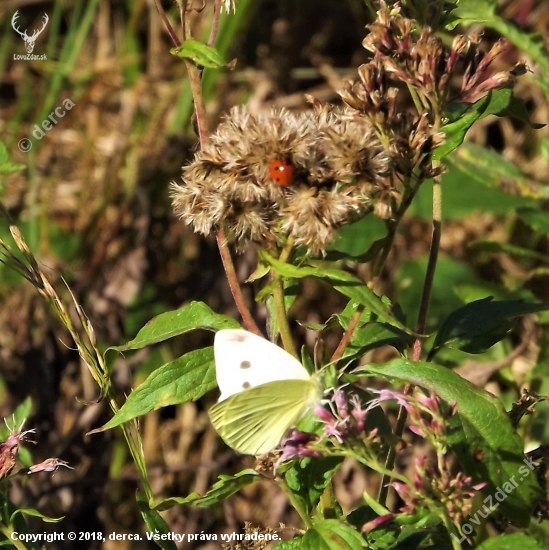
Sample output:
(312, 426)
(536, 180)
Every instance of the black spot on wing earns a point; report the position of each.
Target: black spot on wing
(245, 365)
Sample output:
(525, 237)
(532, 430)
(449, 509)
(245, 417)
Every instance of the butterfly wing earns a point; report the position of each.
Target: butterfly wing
(244, 360)
(254, 421)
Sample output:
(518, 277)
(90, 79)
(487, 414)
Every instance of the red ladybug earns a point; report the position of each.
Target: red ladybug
(281, 171)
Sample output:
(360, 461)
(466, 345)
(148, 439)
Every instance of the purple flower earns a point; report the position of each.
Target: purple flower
(296, 446)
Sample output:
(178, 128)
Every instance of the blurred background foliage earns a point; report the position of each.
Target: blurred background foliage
(93, 204)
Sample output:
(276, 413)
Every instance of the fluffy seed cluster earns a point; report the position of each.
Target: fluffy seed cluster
(335, 173)
(279, 176)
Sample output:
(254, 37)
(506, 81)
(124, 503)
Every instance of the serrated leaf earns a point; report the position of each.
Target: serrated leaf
(331, 534)
(344, 283)
(155, 524)
(480, 432)
(195, 315)
(185, 379)
(221, 490)
(477, 326)
(513, 541)
(200, 54)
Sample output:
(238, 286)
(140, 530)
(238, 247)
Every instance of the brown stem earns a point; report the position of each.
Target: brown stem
(215, 22)
(164, 18)
(232, 279)
(200, 112)
(347, 335)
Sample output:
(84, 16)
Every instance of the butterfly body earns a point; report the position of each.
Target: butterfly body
(264, 391)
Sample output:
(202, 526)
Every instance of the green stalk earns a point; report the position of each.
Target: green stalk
(420, 326)
(280, 306)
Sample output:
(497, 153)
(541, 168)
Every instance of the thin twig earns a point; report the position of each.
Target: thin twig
(347, 335)
(215, 22)
(233, 284)
(166, 22)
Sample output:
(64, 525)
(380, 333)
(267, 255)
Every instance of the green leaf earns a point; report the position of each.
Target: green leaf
(479, 180)
(308, 478)
(17, 419)
(157, 527)
(478, 9)
(487, 168)
(517, 109)
(344, 283)
(16, 523)
(494, 103)
(7, 167)
(223, 489)
(536, 218)
(331, 534)
(426, 533)
(187, 378)
(200, 54)
(511, 542)
(369, 334)
(195, 315)
(493, 246)
(477, 326)
(480, 433)
(410, 277)
(357, 239)
(36, 514)
(372, 336)
(293, 544)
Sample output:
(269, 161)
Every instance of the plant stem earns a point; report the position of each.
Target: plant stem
(232, 279)
(200, 112)
(296, 503)
(280, 306)
(282, 319)
(347, 335)
(215, 22)
(378, 264)
(420, 326)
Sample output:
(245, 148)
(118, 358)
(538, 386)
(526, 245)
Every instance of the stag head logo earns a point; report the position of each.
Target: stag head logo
(29, 40)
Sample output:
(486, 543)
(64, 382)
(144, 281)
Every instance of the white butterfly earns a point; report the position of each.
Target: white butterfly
(264, 391)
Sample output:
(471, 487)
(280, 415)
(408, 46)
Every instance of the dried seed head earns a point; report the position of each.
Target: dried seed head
(334, 164)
